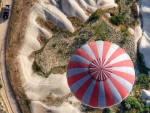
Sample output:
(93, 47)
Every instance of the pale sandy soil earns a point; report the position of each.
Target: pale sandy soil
(37, 87)
(38, 107)
(2, 104)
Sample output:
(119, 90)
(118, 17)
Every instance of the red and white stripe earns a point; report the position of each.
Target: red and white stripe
(100, 74)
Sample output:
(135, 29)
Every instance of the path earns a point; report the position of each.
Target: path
(6, 91)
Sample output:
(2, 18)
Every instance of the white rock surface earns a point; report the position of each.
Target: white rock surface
(138, 32)
(145, 94)
(144, 46)
(108, 15)
(71, 8)
(148, 103)
(131, 31)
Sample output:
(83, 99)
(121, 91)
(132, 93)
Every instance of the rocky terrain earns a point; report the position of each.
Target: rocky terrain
(54, 30)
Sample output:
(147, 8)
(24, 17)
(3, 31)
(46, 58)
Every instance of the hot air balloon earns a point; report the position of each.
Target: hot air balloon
(100, 74)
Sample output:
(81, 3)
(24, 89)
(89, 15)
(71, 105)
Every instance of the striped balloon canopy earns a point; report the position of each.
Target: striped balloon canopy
(100, 74)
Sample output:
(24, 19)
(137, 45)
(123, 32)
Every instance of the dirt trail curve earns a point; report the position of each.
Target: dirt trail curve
(6, 91)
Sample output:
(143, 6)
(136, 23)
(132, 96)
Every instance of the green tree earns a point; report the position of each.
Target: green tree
(147, 110)
(133, 103)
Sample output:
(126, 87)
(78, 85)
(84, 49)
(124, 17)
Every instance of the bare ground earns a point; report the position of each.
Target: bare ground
(14, 40)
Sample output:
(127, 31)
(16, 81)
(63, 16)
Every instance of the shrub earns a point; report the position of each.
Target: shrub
(128, 2)
(147, 110)
(123, 30)
(124, 40)
(61, 50)
(132, 102)
(143, 80)
(1, 86)
(55, 44)
(117, 20)
(108, 110)
(36, 67)
(81, 40)
(117, 1)
(94, 16)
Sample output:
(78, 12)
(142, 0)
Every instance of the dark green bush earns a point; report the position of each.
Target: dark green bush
(1, 86)
(81, 40)
(55, 44)
(143, 80)
(124, 40)
(94, 16)
(133, 103)
(108, 110)
(117, 20)
(117, 1)
(36, 67)
(61, 50)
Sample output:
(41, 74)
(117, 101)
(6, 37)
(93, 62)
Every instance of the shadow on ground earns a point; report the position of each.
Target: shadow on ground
(1, 16)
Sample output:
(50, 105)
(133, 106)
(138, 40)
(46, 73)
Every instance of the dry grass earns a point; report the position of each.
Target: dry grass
(56, 101)
(48, 25)
(76, 22)
(42, 39)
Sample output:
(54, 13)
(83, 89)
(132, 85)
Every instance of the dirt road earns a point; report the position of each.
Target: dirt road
(6, 91)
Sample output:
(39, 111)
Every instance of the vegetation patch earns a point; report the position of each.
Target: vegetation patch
(37, 68)
(48, 25)
(134, 10)
(129, 2)
(143, 81)
(94, 16)
(117, 1)
(131, 103)
(58, 70)
(76, 22)
(54, 44)
(1, 86)
(124, 40)
(42, 39)
(117, 20)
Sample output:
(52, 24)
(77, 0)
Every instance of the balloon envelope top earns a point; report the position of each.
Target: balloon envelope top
(100, 74)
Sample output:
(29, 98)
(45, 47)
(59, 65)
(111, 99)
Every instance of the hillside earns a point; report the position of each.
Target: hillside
(44, 34)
